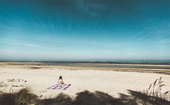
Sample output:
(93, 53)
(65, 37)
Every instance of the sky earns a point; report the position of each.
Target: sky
(85, 29)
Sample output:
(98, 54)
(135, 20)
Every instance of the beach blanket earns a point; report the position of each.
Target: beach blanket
(62, 87)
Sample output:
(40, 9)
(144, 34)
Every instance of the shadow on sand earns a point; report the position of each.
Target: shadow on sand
(24, 97)
(100, 98)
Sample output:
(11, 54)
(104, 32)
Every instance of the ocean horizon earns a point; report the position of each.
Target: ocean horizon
(85, 60)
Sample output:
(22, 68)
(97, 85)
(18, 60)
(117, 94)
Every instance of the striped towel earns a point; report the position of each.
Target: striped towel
(62, 87)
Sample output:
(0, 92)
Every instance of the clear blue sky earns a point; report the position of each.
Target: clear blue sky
(84, 29)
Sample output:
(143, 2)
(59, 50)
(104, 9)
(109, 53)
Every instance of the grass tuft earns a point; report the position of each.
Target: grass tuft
(22, 97)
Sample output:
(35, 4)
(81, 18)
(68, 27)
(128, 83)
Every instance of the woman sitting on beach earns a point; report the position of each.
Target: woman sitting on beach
(60, 85)
(60, 81)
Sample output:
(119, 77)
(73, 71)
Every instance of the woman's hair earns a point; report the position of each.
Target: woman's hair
(60, 77)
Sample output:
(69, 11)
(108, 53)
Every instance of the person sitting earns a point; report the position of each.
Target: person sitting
(60, 84)
(60, 81)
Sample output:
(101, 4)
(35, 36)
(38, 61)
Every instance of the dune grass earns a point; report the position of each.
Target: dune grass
(153, 95)
(22, 97)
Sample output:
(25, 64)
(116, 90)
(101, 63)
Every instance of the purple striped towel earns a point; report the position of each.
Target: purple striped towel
(62, 87)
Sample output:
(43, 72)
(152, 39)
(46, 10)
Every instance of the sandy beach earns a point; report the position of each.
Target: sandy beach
(38, 78)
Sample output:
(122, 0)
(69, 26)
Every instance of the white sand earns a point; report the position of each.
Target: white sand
(111, 82)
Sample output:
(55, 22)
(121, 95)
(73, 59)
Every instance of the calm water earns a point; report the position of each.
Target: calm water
(118, 61)
(126, 66)
(100, 64)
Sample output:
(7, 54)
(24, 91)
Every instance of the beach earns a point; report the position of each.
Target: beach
(113, 81)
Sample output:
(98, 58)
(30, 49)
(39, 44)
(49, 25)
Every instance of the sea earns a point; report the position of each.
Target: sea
(89, 60)
(94, 63)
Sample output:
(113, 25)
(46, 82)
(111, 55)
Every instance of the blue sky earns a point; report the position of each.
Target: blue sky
(84, 29)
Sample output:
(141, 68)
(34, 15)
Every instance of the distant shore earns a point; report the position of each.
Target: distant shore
(148, 68)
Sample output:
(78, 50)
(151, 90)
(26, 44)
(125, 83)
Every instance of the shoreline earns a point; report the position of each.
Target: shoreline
(37, 66)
